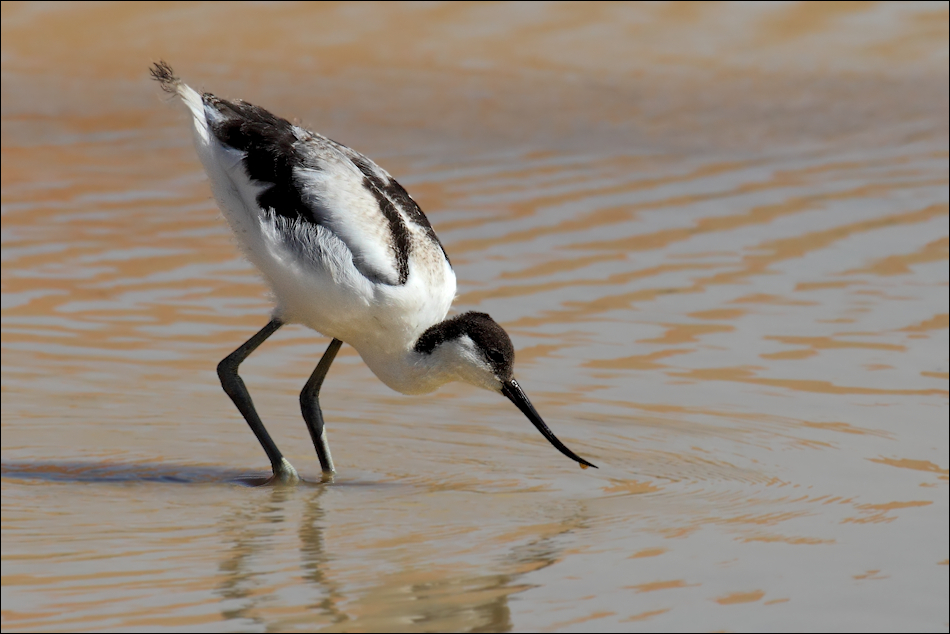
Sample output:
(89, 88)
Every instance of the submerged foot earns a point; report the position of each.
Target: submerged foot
(284, 473)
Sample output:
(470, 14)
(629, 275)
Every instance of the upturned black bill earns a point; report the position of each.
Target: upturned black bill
(516, 395)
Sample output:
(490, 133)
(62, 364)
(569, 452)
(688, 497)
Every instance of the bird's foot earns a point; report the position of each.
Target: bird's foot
(285, 474)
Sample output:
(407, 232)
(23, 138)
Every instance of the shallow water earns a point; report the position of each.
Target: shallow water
(718, 235)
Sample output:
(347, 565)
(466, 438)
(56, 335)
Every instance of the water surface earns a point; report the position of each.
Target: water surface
(718, 235)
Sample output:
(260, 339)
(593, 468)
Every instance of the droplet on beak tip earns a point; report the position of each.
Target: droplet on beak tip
(582, 465)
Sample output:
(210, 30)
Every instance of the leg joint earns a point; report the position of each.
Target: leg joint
(306, 396)
(227, 369)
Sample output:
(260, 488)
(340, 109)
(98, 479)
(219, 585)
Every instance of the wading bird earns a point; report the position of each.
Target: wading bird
(346, 251)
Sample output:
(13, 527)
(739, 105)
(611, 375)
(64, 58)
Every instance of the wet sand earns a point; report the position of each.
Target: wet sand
(718, 235)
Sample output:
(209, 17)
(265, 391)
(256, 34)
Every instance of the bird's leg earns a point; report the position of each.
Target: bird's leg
(310, 406)
(234, 387)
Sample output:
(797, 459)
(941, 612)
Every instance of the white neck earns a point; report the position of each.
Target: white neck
(411, 372)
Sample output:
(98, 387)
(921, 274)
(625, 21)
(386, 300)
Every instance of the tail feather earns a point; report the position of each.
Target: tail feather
(171, 83)
(163, 74)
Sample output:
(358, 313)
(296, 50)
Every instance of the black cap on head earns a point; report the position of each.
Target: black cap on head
(495, 346)
(484, 332)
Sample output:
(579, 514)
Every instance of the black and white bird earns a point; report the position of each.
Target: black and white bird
(346, 251)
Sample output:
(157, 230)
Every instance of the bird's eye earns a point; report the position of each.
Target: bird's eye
(496, 356)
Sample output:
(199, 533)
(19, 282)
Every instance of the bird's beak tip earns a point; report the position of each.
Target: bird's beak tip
(516, 395)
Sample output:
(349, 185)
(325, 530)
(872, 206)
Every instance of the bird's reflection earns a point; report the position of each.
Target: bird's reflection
(420, 595)
(314, 560)
(250, 531)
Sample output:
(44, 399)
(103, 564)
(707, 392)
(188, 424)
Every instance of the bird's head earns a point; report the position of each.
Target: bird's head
(473, 348)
